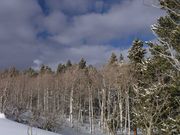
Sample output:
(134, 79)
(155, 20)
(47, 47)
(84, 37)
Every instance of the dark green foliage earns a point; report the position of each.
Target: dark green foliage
(121, 58)
(113, 59)
(31, 72)
(45, 69)
(137, 59)
(61, 68)
(162, 67)
(68, 64)
(82, 63)
(137, 52)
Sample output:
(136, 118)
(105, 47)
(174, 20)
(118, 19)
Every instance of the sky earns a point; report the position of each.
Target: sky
(35, 32)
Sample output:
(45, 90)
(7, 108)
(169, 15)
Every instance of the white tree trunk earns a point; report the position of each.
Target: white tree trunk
(91, 111)
(121, 112)
(126, 115)
(71, 107)
(129, 122)
(102, 109)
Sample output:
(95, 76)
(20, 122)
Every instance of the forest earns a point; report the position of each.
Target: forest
(141, 94)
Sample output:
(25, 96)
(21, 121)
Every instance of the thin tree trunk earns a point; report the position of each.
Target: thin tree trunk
(121, 112)
(102, 109)
(129, 122)
(91, 111)
(126, 113)
(71, 107)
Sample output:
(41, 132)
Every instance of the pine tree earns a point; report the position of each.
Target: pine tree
(82, 63)
(167, 31)
(136, 56)
(121, 58)
(166, 63)
(136, 53)
(113, 59)
(68, 64)
(45, 69)
(61, 68)
(42, 69)
(31, 72)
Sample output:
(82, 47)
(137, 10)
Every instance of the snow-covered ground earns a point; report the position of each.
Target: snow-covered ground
(8, 127)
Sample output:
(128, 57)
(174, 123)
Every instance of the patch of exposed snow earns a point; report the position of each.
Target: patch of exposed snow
(8, 127)
(2, 116)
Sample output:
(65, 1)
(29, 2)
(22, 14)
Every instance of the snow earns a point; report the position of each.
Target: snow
(2, 116)
(8, 127)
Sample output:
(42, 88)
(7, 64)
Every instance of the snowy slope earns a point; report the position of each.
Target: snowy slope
(8, 127)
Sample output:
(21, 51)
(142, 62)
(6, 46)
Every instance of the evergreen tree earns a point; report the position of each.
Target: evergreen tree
(48, 69)
(31, 72)
(136, 56)
(168, 33)
(82, 63)
(61, 68)
(121, 58)
(45, 69)
(166, 63)
(136, 53)
(42, 69)
(113, 59)
(68, 64)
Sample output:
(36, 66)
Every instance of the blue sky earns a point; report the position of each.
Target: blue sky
(33, 32)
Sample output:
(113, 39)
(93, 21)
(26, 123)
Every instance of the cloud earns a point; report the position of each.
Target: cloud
(121, 20)
(54, 23)
(72, 7)
(70, 30)
(93, 54)
(17, 34)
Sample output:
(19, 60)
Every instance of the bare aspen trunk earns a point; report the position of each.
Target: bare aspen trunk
(80, 117)
(54, 102)
(126, 115)
(46, 107)
(91, 111)
(102, 109)
(38, 96)
(129, 122)
(44, 101)
(38, 100)
(121, 112)
(108, 105)
(90, 119)
(47, 100)
(71, 107)
(31, 98)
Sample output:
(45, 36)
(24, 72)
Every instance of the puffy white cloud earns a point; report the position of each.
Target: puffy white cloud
(122, 20)
(82, 34)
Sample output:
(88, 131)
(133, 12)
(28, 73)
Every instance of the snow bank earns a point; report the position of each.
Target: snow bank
(8, 127)
(2, 116)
